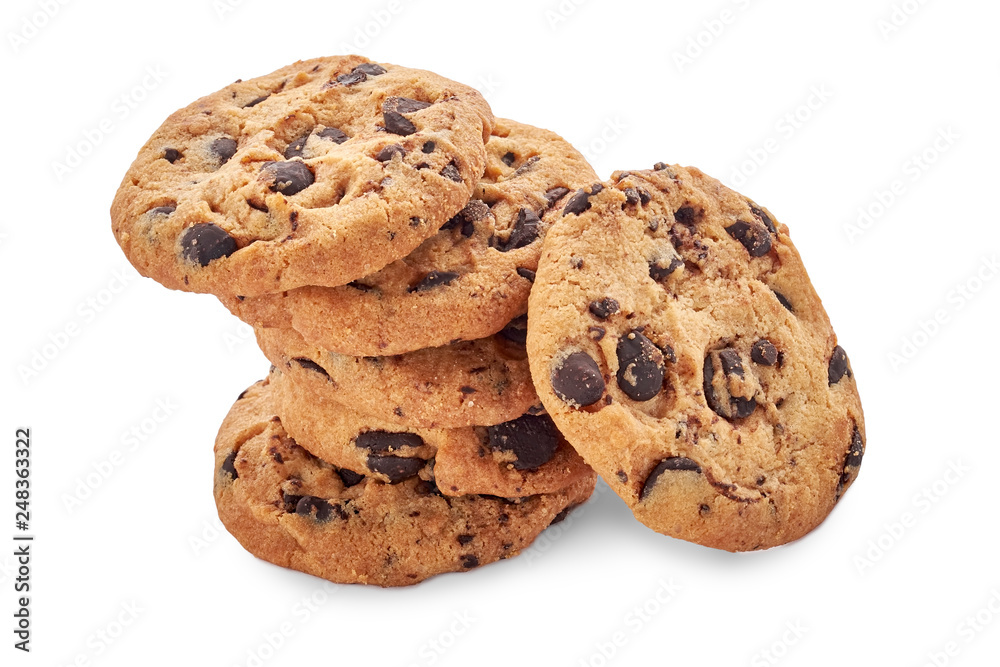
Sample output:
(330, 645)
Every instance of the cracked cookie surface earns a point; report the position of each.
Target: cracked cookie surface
(674, 317)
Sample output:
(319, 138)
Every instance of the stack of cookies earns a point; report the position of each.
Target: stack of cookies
(462, 321)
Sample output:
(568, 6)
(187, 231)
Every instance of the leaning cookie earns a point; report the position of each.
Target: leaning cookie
(482, 382)
(677, 342)
(288, 507)
(521, 457)
(465, 282)
(317, 174)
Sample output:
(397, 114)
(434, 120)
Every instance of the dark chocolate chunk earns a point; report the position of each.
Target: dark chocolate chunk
(783, 300)
(224, 148)
(469, 561)
(525, 231)
(385, 442)
(508, 159)
(385, 155)
(604, 308)
(289, 177)
(839, 366)
(756, 240)
(660, 269)
(254, 102)
(371, 69)
(465, 539)
(516, 330)
(451, 172)
(317, 508)
(577, 380)
(396, 468)
(764, 352)
(432, 280)
(555, 194)
(659, 166)
(392, 112)
(532, 439)
(349, 477)
(229, 465)
(205, 242)
(311, 365)
(640, 367)
(580, 202)
(295, 148)
(352, 77)
(171, 155)
(332, 134)
(763, 217)
(672, 464)
(684, 215)
(527, 274)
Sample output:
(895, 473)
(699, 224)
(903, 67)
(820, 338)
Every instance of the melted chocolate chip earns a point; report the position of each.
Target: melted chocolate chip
(432, 280)
(757, 241)
(171, 155)
(384, 442)
(672, 464)
(205, 242)
(516, 330)
(838, 367)
(508, 159)
(525, 231)
(311, 365)
(289, 178)
(532, 439)
(663, 268)
(604, 308)
(332, 134)
(640, 367)
(527, 274)
(764, 353)
(555, 194)
(469, 561)
(229, 465)
(385, 155)
(349, 477)
(295, 148)
(577, 380)
(224, 148)
(451, 172)
(396, 468)
(317, 508)
(724, 403)
(392, 112)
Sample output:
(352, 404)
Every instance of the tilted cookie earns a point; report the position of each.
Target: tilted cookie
(482, 382)
(464, 283)
(521, 457)
(677, 342)
(317, 174)
(288, 507)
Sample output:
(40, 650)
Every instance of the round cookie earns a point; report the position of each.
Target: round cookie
(522, 457)
(288, 507)
(317, 174)
(474, 274)
(674, 317)
(481, 382)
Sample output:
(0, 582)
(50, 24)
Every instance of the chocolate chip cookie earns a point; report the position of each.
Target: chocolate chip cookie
(286, 506)
(677, 342)
(464, 283)
(482, 382)
(317, 174)
(521, 457)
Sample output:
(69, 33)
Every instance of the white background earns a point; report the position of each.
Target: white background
(889, 579)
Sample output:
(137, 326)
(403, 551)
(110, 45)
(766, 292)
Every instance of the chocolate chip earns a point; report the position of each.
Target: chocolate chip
(224, 148)
(162, 210)
(527, 274)
(432, 280)
(451, 172)
(290, 500)
(838, 366)
(763, 352)
(383, 442)
(532, 439)
(672, 464)
(392, 112)
(396, 468)
(596, 333)
(428, 147)
(662, 268)
(385, 155)
(659, 166)
(637, 196)
(559, 518)
(314, 507)
(525, 231)
(622, 476)
(763, 217)
(580, 202)
(516, 330)
(349, 477)
(332, 134)
(469, 561)
(640, 367)
(289, 177)
(425, 488)
(371, 69)
(254, 102)
(654, 223)
(783, 300)
(756, 240)
(295, 148)
(171, 155)
(205, 242)
(229, 465)
(508, 159)
(577, 380)
(725, 403)
(465, 539)
(352, 77)
(857, 450)
(553, 195)
(604, 308)
(311, 365)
